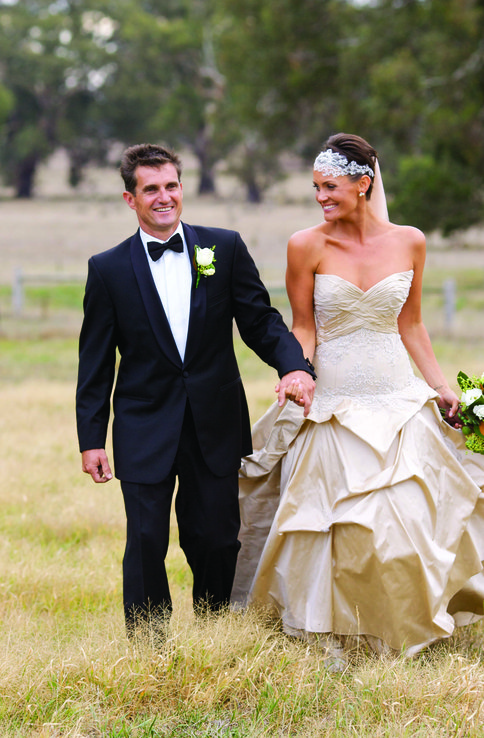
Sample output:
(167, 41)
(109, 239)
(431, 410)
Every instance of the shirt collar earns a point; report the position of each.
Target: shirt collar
(145, 237)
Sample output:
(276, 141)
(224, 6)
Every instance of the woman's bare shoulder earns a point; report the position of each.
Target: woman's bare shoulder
(308, 238)
(304, 249)
(408, 233)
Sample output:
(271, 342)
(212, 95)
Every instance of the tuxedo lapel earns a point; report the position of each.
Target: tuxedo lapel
(198, 303)
(154, 308)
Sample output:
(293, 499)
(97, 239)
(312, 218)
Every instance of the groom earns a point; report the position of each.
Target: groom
(180, 411)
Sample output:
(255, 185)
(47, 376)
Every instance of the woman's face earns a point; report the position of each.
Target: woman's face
(338, 196)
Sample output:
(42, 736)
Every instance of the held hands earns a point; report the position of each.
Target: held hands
(297, 386)
(95, 462)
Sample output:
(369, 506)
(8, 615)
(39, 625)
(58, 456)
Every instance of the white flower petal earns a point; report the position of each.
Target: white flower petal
(205, 257)
(470, 396)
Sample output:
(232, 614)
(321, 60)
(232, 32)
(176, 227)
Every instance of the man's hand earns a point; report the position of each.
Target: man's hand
(297, 386)
(95, 462)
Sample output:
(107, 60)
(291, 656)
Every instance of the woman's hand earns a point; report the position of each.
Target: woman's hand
(448, 400)
(297, 386)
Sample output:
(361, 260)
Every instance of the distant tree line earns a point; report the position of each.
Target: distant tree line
(246, 81)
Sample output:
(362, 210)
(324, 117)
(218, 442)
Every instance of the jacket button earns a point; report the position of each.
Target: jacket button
(185, 373)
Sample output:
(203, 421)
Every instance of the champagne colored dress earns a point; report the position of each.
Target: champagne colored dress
(367, 517)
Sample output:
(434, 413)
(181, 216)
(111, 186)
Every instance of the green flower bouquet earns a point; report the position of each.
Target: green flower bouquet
(471, 411)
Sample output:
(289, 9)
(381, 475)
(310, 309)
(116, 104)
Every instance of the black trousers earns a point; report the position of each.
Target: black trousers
(207, 511)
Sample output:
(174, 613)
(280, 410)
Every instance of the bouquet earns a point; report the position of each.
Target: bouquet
(471, 411)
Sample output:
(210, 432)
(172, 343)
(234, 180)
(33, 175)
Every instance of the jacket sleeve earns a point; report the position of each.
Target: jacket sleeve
(97, 359)
(260, 325)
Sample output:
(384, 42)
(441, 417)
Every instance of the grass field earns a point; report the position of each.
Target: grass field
(66, 668)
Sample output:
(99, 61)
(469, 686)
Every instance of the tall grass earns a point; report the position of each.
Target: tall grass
(66, 667)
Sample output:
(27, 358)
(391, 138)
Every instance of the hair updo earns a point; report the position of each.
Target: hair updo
(354, 148)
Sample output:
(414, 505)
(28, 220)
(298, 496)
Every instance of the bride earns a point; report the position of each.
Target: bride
(366, 518)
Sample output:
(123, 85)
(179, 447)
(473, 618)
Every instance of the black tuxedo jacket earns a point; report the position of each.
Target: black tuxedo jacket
(122, 310)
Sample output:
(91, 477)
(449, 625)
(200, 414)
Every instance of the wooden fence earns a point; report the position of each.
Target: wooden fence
(20, 279)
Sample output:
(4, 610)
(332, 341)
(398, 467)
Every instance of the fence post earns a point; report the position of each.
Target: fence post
(449, 304)
(17, 292)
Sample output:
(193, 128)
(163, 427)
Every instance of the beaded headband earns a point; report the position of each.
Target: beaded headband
(332, 164)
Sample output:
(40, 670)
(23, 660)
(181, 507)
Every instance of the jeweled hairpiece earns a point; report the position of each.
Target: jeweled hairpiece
(332, 164)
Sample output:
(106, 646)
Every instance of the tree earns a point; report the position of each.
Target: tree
(85, 74)
(167, 85)
(244, 81)
(431, 192)
(421, 102)
(280, 62)
(54, 59)
(6, 105)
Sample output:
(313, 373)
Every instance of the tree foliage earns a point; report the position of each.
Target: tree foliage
(246, 81)
(421, 102)
(280, 62)
(54, 60)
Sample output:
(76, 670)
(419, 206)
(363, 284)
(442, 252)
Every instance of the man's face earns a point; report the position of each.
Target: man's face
(158, 200)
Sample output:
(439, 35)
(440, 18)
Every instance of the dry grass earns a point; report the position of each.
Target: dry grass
(66, 668)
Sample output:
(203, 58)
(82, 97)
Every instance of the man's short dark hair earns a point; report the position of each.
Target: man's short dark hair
(145, 155)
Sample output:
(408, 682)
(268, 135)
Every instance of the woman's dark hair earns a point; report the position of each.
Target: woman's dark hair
(354, 148)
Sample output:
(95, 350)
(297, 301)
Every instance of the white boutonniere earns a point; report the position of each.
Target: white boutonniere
(204, 262)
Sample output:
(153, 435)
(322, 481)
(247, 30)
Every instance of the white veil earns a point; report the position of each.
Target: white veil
(378, 201)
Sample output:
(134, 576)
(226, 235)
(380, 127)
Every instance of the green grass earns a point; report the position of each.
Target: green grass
(56, 297)
(46, 297)
(38, 358)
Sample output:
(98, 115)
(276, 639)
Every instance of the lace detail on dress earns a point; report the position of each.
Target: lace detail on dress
(372, 347)
(383, 366)
(359, 352)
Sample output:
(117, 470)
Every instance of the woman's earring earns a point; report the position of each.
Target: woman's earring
(361, 194)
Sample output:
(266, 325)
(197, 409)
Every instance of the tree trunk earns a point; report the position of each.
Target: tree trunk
(254, 193)
(25, 177)
(206, 183)
(76, 171)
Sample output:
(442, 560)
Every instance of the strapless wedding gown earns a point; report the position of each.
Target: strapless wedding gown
(366, 518)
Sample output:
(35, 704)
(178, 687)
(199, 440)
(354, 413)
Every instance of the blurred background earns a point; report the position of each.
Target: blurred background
(247, 91)
(251, 87)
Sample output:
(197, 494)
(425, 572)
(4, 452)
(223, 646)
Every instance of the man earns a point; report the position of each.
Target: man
(179, 405)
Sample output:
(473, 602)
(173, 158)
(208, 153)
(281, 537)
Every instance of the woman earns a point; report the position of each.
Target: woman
(378, 530)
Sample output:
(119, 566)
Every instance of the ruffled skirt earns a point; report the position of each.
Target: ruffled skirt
(363, 522)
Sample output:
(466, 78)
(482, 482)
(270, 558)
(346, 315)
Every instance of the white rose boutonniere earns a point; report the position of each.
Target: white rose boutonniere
(204, 262)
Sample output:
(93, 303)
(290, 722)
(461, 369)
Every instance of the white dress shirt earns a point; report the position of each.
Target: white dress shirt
(172, 275)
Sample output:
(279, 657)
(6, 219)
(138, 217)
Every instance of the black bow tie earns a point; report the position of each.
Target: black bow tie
(157, 249)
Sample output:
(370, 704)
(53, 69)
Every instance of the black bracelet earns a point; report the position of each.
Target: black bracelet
(309, 364)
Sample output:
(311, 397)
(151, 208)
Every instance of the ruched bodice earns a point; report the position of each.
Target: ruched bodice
(341, 307)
